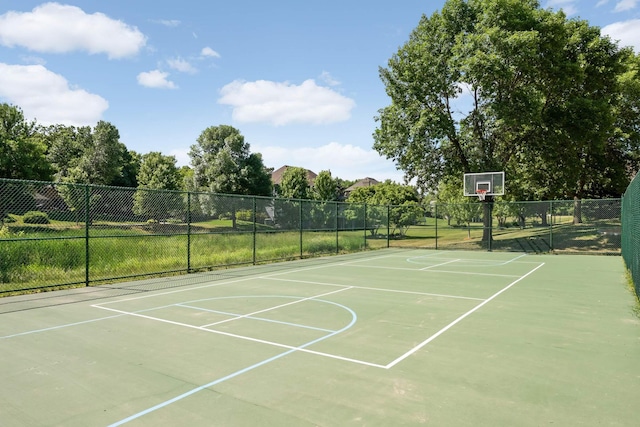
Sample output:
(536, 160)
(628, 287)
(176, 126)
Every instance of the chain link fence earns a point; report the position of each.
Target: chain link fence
(631, 231)
(580, 226)
(61, 235)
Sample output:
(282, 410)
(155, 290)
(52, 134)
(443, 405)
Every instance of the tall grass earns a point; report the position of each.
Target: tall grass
(52, 258)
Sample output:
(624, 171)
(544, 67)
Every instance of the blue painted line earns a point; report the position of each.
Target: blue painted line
(53, 328)
(354, 318)
(262, 319)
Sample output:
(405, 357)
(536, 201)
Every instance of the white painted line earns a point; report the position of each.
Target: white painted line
(438, 265)
(368, 288)
(458, 320)
(275, 307)
(261, 319)
(246, 338)
(434, 271)
(516, 258)
(251, 276)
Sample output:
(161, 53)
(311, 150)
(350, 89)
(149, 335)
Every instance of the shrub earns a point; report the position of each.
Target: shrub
(35, 217)
(244, 215)
(9, 219)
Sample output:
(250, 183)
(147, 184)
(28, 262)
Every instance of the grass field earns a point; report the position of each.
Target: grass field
(390, 337)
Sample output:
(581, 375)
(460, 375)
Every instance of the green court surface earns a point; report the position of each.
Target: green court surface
(383, 338)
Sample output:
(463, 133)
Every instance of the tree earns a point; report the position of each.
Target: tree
(294, 184)
(91, 156)
(325, 187)
(22, 149)
(402, 200)
(222, 163)
(541, 90)
(22, 156)
(158, 172)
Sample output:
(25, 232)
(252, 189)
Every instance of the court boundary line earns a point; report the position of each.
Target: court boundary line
(247, 338)
(233, 375)
(187, 289)
(375, 289)
(459, 319)
(261, 319)
(433, 271)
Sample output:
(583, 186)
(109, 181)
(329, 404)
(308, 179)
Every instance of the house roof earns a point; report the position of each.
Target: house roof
(364, 182)
(276, 175)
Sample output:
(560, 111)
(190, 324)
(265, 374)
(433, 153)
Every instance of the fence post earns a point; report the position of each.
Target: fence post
(87, 219)
(300, 201)
(337, 227)
(551, 225)
(388, 224)
(255, 230)
(436, 219)
(365, 226)
(188, 232)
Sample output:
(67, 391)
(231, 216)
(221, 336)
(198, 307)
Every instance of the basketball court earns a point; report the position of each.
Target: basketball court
(386, 337)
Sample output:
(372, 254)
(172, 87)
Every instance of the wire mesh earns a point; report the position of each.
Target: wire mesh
(60, 235)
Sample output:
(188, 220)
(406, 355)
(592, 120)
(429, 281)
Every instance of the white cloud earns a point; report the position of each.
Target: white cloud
(57, 28)
(625, 5)
(156, 79)
(602, 3)
(344, 161)
(285, 103)
(168, 22)
(182, 65)
(626, 32)
(208, 52)
(328, 79)
(32, 60)
(48, 97)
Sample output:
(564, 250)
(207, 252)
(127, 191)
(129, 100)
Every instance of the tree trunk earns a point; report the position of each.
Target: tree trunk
(577, 210)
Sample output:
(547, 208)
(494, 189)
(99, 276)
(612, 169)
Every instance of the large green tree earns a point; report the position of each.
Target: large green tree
(22, 156)
(489, 85)
(397, 203)
(294, 184)
(82, 155)
(22, 149)
(325, 187)
(222, 163)
(158, 172)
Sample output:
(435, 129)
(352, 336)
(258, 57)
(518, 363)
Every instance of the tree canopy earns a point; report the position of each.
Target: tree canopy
(157, 172)
(487, 85)
(222, 163)
(22, 150)
(294, 184)
(325, 187)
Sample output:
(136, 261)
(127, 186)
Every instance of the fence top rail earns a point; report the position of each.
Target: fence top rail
(272, 198)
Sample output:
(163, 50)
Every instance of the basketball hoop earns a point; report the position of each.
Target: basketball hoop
(481, 194)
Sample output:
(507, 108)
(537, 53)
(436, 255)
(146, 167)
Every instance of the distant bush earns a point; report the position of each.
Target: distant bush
(35, 217)
(244, 215)
(9, 219)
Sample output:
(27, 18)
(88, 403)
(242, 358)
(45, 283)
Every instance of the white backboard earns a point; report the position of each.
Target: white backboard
(491, 182)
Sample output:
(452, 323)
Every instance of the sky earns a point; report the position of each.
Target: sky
(298, 79)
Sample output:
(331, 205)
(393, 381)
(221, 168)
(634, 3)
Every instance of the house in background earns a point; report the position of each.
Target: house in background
(276, 176)
(365, 182)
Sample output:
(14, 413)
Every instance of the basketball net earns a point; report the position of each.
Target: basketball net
(481, 194)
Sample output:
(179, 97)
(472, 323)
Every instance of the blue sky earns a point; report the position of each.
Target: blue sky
(298, 79)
